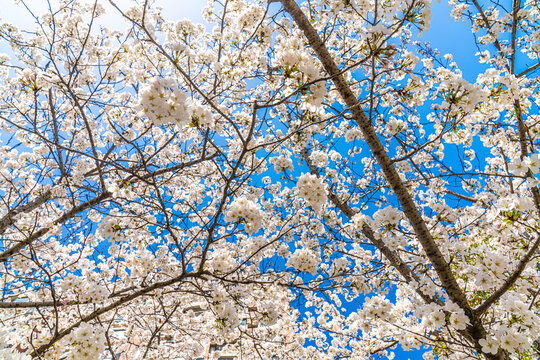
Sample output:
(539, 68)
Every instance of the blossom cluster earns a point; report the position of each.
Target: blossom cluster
(163, 102)
(299, 65)
(87, 342)
(222, 261)
(7, 352)
(85, 289)
(111, 229)
(224, 310)
(304, 260)
(435, 316)
(282, 163)
(269, 312)
(387, 216)
(520, 167)
(247, 210)
(311, 188)
(377, 306)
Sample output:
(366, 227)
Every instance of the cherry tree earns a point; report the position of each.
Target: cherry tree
(296, 180)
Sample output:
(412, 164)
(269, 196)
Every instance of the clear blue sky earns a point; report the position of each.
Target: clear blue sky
(451, 37)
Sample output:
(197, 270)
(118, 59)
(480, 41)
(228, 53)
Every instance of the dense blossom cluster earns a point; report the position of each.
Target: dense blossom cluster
(164, 103)
(222, 261)
(110, 229)
(311, 188)
(85, 342)
(387, 216)
(304, 260)
(225, 312)
(294, 179)
(299, 65)
(8, 350)
(247, 210)
(520, 167)
(85, 289)
(282, 163)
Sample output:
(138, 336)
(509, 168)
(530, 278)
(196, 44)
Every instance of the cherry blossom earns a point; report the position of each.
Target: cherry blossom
(291, 180)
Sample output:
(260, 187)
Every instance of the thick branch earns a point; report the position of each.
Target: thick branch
(26, 304)
(515, 11)
(511, 280)
(9, 218)
(36, 235)
(409, 208)
(528, 70)
(476, 330)
(394, 259)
